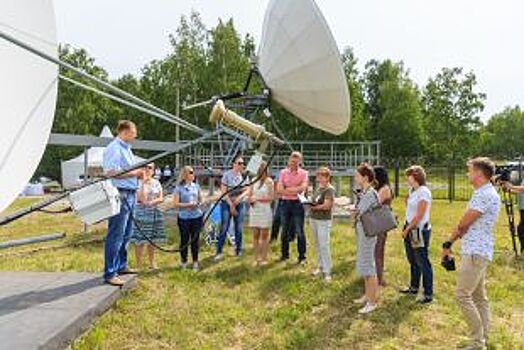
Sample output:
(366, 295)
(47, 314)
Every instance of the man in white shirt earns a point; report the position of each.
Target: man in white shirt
(476, 231)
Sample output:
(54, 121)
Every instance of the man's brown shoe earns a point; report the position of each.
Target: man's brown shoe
(128, 272)
(115, 281)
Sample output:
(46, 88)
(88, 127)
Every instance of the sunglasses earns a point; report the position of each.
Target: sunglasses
(191, 172)
(150, 167)
(240, 163)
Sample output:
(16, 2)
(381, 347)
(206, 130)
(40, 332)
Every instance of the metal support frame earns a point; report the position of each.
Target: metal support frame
(45, 203)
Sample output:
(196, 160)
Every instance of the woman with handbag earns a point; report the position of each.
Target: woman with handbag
(368, 199)
(416, 234)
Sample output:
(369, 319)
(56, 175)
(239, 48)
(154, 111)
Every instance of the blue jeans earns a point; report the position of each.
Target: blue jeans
(420, 265)
(292, 216)
(238, 222)
(120, 228)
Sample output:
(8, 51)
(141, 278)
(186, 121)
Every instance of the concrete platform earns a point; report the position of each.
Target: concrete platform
(49, 310)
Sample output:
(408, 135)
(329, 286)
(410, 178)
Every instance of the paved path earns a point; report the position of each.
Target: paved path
(40, 310)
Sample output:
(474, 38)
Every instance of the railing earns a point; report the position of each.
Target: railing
(342, 157)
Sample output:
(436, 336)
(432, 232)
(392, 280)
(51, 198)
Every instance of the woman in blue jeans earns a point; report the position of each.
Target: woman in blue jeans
(416, 234)
(232, 206)
(187, 199)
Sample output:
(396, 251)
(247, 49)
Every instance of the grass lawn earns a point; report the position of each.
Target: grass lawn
(233, 305)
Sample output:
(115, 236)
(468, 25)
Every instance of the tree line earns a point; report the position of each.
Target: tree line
(438, 121)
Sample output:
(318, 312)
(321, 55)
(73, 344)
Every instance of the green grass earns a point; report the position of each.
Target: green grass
(233, 305)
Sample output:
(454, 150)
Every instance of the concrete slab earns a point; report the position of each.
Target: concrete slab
(41, 310)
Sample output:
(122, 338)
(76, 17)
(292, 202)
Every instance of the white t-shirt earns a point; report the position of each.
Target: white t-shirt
(415, 197)
(478, 240)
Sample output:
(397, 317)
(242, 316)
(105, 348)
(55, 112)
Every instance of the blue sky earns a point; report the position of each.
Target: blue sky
(483, 36)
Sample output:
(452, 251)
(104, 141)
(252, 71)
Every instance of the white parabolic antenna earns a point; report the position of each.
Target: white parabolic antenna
(28, 88)
(300, 62)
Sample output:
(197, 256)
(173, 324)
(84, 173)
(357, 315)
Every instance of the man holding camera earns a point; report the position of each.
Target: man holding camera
(476, 231)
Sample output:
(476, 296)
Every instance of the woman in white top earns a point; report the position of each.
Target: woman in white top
(260, 196)
(417, 232)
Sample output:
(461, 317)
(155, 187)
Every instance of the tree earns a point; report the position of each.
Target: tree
(393, 106)
(451, 108)
(359, 128)
(502, 136)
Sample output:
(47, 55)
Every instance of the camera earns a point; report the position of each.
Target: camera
(503, 174)
(448, 263)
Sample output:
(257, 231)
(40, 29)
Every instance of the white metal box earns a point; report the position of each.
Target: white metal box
(96, 202)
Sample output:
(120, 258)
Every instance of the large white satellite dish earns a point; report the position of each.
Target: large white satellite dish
(300, 62)
(27, 92)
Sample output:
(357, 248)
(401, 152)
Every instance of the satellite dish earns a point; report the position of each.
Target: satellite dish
(27, 93)
(300, 62)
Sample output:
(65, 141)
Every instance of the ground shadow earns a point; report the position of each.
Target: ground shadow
(31, 299)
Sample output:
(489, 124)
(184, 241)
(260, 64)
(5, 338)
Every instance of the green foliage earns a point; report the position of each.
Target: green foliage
(451, 113)
(441, 122)
(503, 135)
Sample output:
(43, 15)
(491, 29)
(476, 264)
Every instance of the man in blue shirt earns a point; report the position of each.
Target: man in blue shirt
(118, 157)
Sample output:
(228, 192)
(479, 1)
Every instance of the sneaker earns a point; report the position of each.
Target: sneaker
(424, 300)
(361, 300)
(328, 278)
(302, 262)
(283, 259)
(196, 267)
(367, 308)
(409, 291)
(218, 257)
(239, 254)
(316, 273)
(183, 266)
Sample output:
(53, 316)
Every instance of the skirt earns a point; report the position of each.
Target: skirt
(150, 224)
(261, 216)
(365, 253)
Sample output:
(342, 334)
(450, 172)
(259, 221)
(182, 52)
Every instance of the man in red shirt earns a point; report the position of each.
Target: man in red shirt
(292, 181)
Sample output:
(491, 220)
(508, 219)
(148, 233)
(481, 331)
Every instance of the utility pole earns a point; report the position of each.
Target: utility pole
(177, 132)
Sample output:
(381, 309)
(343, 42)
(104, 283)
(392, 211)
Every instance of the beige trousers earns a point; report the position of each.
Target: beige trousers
(472, 298)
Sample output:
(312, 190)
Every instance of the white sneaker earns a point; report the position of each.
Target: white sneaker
(316, 272)
(218, 257)
(183, 266)
(196, 267)
(361, 300)
(328, 278)
(367, 309)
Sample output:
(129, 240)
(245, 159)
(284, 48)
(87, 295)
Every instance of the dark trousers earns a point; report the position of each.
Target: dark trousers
(292, 216)
(277, 223)
(520, 230)
(420, 265)
(189, 236)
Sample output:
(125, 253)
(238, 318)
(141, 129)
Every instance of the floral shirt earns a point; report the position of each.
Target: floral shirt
(479, 240)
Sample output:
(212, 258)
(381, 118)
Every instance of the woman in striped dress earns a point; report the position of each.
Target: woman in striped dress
(260, 196)
(366, 267)
(149, 217)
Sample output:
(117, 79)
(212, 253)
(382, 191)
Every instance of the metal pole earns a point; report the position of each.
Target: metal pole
(31, 240)
(86, 175)
(177, 131)
(99, 81)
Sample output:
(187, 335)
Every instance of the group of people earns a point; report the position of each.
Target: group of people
(289, 190)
